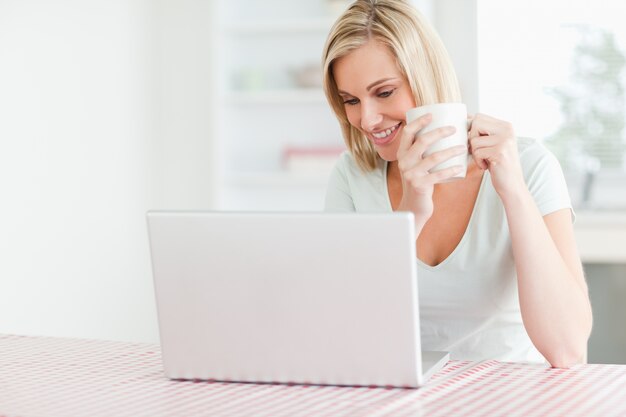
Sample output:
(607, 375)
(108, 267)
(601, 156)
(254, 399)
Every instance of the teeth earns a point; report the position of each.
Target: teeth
(384, 133)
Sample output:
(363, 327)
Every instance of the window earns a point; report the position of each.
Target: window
(557, 71)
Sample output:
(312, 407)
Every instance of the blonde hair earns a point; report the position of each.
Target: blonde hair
(420, 56)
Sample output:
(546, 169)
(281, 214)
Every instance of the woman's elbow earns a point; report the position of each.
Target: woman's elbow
(563, 362)
(566, 358)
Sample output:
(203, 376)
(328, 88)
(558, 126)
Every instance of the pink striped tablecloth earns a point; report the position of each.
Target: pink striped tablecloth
(44, 376)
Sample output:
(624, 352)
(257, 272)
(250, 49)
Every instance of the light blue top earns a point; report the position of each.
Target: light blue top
(469, 303)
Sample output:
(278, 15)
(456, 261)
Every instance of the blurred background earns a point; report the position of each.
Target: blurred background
(112, 108)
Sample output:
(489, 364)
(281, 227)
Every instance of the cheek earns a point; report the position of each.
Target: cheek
(406, 102)
(353, 116)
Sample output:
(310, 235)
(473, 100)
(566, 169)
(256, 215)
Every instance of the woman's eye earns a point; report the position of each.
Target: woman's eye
(351, 102)
(385, 93)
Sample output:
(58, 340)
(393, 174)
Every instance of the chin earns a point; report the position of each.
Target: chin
(388, 153)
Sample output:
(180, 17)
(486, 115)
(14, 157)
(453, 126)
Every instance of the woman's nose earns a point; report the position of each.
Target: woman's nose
(371, 117)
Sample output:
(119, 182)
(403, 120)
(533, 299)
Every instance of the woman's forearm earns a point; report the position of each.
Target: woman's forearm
(553, 295)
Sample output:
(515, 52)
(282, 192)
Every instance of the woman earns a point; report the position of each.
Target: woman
(499, 273)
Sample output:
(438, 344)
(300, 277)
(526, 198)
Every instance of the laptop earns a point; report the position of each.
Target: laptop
(303, 298)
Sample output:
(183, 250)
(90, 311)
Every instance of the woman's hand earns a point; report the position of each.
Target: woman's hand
(494, 147)
(417, 182)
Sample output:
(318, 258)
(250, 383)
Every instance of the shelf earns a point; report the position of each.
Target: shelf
(601, 218)
(294, 96)
(262, 56)
(280, 26)
(601, 236)
(278, 179)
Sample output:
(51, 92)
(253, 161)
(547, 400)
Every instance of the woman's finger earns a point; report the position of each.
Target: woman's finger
(417, 150)
(436, 158)
(409, 131)
(487, 156)
(478, 142)
(487, 125)
(478, 156)
(417, 179)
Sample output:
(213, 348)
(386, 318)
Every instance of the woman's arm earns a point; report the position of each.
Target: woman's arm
(553, 295)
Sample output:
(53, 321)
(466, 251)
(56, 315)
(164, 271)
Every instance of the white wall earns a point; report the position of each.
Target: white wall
(186, 166)
(455, 21)
(102, 117)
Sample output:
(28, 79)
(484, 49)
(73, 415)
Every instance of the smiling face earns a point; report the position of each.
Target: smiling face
(376, 95)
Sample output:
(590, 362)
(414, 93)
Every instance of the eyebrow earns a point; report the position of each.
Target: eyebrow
(372, 85)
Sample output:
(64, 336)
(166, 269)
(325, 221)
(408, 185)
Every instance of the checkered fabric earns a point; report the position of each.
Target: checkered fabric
(43, 376)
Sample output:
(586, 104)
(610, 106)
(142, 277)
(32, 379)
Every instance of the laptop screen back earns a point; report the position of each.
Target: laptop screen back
(277, 297)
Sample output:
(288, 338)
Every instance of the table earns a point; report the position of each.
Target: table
(46, 376)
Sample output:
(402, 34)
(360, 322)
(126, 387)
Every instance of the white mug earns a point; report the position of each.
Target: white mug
(445, 114)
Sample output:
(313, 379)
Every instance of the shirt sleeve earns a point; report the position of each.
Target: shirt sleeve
(544, 178)
(338, 194)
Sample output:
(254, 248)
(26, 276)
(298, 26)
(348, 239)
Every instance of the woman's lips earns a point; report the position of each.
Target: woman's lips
(386, 139)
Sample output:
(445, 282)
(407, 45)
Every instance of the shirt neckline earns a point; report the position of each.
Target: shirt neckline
(465, 233)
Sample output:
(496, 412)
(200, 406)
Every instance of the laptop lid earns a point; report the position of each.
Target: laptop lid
(312, 298)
